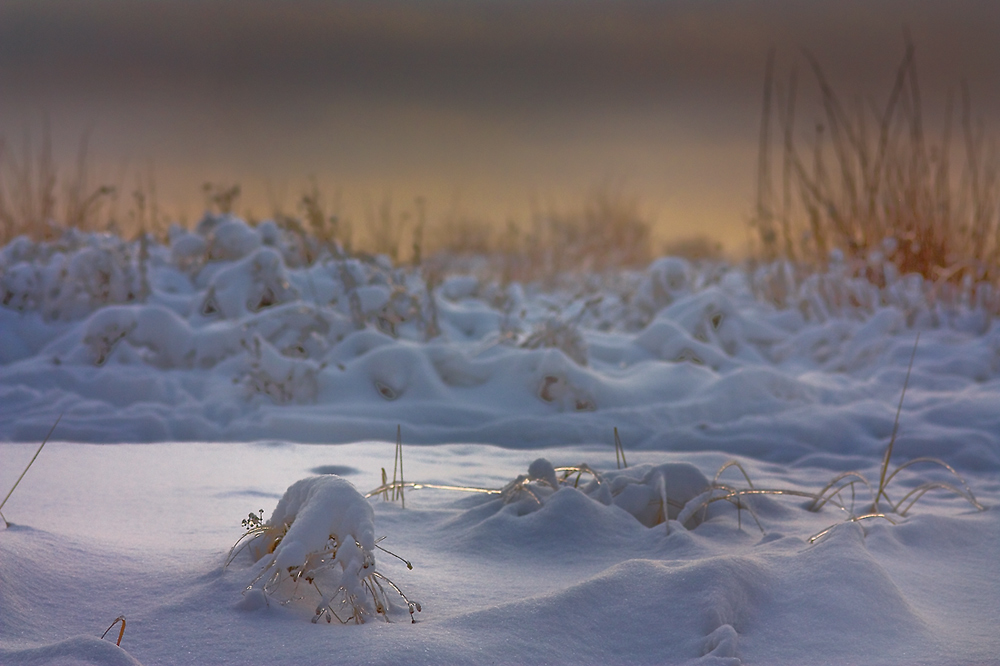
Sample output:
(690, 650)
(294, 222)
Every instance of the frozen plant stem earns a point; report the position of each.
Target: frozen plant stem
(27, 468)
(401, 559)
(895, 428)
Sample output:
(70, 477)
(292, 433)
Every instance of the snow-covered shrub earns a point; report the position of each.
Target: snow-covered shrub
(255, 282)
(188, 251)
(667, 341)
(321, 535)
(19, 287)
(282, 379)
(100, 275)
(457, 287)
(655, 493)
(105, 330)
(563, 383)
(298, 330)
(664, 281)
(554, 333)
(231, 239)
(157, 336)
(557, 388)
(72, 278)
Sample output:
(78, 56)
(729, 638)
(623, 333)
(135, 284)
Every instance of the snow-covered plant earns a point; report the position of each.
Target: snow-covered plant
(321, 536)
(558, 334)
(105, 330)
(70, 278)
(282, 379)
(652, 494)
(255, 282)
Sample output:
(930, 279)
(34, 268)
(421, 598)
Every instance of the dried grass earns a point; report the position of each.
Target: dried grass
(30, 463)
(875, 187)
(832, 492)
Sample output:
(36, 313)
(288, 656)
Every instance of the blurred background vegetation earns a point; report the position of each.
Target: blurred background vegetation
(570, 136)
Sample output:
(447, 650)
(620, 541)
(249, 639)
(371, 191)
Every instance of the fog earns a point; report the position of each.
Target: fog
(487, 109)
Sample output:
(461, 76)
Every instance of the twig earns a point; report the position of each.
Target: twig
(619, 452)
(385, 487)
(765, 213)
(737, 465)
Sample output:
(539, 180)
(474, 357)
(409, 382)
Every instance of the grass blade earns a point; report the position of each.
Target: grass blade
(51, 430)
(121, 632)
(895, 429)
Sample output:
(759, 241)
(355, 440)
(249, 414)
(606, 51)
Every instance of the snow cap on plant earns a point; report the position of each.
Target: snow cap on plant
(322, 535)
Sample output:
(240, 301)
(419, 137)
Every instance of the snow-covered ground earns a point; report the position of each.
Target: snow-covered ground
(197, 381)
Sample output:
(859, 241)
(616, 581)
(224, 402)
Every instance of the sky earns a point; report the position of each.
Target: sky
(487, 109)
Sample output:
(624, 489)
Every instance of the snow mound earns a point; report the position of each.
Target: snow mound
(76, 651)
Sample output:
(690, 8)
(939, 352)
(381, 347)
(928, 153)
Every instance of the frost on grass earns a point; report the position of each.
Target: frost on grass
(319, 543)
(656, 494)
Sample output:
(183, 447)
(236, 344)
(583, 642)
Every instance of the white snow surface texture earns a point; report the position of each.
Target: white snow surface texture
(197, 381)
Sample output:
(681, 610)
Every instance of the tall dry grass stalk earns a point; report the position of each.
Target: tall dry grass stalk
(872, 185)
(28, 191)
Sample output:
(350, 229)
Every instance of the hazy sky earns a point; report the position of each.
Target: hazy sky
(481, 102)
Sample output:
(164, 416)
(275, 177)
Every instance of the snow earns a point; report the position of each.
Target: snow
(224, 373)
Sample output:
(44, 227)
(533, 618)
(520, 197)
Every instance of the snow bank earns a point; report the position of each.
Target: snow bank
(230, 333)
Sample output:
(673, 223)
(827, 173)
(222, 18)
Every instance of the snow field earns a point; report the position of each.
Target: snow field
(222, 374)
(235, 338)
(569, 580)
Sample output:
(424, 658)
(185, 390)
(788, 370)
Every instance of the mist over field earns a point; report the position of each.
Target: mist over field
(486, 109)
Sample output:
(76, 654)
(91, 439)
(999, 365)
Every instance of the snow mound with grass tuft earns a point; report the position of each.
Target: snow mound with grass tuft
(321, 536)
